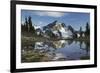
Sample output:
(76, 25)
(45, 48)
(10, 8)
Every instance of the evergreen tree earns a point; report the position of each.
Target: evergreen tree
(30, 27)
(87, 29)
(80, 31)
(26, 24)
(29, 24)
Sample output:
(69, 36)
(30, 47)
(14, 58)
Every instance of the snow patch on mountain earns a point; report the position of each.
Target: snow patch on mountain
(57, 29)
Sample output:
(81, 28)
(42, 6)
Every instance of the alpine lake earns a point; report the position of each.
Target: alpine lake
(45, 50)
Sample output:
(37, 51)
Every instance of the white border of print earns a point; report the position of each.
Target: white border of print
(51, 64)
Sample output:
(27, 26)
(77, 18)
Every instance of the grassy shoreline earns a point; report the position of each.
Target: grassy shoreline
(43, 39)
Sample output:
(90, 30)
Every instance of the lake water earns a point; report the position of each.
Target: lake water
(61, 50)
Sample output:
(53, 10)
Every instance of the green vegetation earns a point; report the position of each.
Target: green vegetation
(27, 27)
(34, 56)
(29, 36)
(85, 57)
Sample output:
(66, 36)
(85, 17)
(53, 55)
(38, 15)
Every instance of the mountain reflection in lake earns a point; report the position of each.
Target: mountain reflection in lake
(61, 50)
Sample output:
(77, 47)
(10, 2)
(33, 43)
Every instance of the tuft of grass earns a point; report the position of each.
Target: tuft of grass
(32, 56)
(85, 57)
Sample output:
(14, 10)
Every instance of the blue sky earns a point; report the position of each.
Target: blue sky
(42, 18)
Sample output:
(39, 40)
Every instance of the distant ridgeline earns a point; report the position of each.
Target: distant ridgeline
(53, 30)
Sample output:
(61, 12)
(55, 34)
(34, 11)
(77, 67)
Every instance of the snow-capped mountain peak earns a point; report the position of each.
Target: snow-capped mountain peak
(57, 29)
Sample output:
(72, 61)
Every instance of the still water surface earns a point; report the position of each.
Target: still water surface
(61, 50)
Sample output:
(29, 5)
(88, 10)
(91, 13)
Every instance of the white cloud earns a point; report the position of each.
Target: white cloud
(51, 14)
